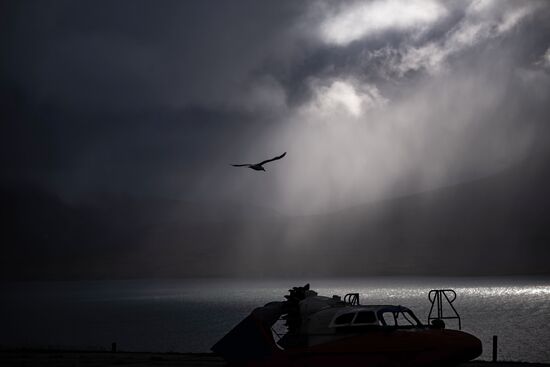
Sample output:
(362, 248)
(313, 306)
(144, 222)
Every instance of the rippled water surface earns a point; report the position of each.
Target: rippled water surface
(191, 315)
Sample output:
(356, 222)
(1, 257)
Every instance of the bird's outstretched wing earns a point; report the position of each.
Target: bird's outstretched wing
(241, 165)
(272, 159)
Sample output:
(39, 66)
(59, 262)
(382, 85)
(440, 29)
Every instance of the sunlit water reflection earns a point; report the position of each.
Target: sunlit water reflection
(190, 315)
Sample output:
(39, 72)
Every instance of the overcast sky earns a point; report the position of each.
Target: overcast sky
(371, 99)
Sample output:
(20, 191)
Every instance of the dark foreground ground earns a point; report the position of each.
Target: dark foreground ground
(26, 358)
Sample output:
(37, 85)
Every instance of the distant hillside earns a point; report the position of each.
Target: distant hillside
(110, 235)
(495, 225)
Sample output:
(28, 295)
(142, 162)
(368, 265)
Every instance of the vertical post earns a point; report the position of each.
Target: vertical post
(495, 344)
(113, 347)
(439, 305)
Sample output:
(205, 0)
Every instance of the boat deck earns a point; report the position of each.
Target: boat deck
(28, 358)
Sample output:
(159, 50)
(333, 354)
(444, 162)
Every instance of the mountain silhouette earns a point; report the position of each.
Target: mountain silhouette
(490, 226)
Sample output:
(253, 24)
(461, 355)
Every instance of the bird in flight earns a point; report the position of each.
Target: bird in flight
(259, 166)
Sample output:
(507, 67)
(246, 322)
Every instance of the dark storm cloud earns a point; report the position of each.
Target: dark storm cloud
(133, 55)
(131, 86)
(136, 93)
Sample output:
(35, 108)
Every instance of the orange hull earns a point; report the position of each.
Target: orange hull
(380, 349)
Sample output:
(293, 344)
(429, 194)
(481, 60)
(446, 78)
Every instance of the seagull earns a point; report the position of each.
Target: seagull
(259, 166)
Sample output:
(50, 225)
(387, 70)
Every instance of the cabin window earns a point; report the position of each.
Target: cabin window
(365, 317)
(344, 319)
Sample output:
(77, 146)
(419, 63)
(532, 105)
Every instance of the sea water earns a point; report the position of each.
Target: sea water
(190, 315)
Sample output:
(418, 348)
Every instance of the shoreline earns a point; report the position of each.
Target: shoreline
(62, 358)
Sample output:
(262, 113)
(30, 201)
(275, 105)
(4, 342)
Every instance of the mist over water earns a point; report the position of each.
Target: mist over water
(191, 315)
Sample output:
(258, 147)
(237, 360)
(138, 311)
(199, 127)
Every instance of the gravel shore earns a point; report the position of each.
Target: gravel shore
(28, 358)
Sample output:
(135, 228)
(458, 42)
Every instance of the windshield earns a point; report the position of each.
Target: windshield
(400, 319)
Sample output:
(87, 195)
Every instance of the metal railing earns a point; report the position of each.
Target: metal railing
(436, 297)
